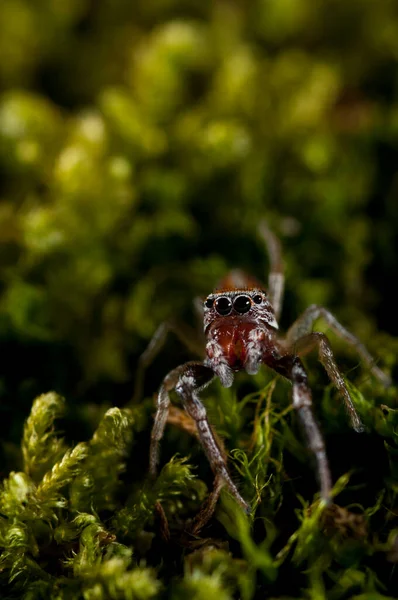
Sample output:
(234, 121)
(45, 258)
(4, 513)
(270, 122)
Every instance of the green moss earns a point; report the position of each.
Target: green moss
(70, 503)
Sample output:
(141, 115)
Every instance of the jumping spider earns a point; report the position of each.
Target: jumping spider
(241, 329)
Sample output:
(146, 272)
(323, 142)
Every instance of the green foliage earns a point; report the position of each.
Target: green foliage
(41, 514)
(97, 487)
(41, 448)
(174, 481)
(68, 529)
(140, 145)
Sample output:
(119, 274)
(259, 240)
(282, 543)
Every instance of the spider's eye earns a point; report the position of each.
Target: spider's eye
(257, 299)
(223, 306)
(242, 304)
(209, 302)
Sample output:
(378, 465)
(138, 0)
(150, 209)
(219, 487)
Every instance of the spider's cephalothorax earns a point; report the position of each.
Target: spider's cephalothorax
(238, 325)
(241, 329)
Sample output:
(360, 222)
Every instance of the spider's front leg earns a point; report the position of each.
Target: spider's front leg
(193, 379)
(188, 380)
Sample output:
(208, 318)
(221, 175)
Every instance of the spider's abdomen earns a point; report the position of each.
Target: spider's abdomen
(232, 339)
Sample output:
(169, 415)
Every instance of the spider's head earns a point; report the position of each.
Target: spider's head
(239, 305)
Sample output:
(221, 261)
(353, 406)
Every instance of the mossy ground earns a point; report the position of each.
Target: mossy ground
(80, 521)
(140, 145)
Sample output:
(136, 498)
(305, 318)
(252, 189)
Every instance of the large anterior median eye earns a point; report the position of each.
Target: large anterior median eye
(242, 304)
(223, 306)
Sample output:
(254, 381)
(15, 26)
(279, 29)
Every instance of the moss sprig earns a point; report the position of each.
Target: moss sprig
(41, 447)
(96, 488)
(176, 480)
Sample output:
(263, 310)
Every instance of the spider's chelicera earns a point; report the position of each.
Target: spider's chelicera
(241, 330)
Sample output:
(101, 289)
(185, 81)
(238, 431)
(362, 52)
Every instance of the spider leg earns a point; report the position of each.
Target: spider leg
(306, 344)
(304, 324)
(208, 507)
(188, 380)
(162, 411)
(291, 367)
(193, 378)
(276, 277)
(159, 424)
(155, 346)
(182, 420)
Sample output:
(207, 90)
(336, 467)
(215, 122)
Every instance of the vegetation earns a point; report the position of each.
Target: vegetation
(140, 145)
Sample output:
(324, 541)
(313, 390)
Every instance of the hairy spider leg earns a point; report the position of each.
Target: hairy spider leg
(292, 368)
(208, 507)
(156, 343)
(188, 380)
(304, 325)
(159, 423)
(181, 419)
(276, 277)
(238, 279)
(304, 345)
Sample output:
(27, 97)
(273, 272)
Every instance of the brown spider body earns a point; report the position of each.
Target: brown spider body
(241, 330)
(239, 325)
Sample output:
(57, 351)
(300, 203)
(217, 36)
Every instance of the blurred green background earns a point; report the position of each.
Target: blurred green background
(141, 143)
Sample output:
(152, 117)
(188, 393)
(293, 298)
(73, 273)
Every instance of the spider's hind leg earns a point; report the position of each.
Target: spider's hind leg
(276, 277)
